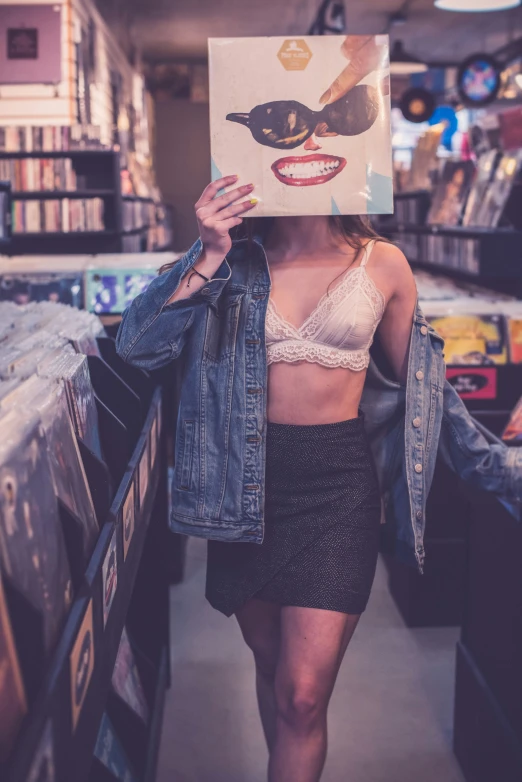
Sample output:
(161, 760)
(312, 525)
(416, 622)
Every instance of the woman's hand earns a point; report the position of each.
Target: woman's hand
(216, 215)
(364, 55)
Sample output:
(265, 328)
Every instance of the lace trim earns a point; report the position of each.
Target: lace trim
(280, 328)
(298, 350)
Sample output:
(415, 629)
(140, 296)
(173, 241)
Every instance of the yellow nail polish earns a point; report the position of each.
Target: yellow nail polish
(253, 201)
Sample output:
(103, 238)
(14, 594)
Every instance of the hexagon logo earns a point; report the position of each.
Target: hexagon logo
(294, 54)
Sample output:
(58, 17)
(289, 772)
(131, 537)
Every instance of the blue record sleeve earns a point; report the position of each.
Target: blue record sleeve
(111, 754)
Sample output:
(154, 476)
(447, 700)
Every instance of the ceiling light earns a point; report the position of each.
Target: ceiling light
(476, 5)
(403, 63)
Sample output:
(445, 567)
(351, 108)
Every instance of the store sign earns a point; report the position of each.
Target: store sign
(22, 43)
(473, 383)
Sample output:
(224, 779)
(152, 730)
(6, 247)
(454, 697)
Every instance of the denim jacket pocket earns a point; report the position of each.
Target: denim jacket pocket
(221, 327)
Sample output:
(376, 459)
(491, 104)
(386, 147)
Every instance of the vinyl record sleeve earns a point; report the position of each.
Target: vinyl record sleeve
(23, 288)
(499, 189)
(32, 548)
(485, 170)
(126, 680)
(268, 125)
(451, 192)
(81, 662)
(110, 291)
(515, 339)
(144, 471)
(111, 754)
(13, 704)
(128, 519)
(472, 339)
(110, 576)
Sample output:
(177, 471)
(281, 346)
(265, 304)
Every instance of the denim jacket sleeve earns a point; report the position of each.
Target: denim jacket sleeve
(475, 454)
(152, 333)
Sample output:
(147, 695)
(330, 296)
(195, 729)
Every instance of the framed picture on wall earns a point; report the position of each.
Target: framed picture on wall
(30, 44)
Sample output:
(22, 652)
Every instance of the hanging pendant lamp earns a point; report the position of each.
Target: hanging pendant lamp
(476, 5)
(403, 63)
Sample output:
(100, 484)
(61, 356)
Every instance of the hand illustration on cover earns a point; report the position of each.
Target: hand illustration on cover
(349, 109)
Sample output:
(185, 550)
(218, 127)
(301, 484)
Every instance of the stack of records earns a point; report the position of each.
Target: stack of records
(507, 172)
(486, 166)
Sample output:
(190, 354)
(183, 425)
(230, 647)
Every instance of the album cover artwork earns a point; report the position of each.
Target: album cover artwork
(23, 288)
(43, 768)
(472, 339)
(109, 577)
(70, 480)
(13, 704)
(135, 283)
(485, 171)
(111, 291)
(512, 434)
(306, 119)
(451, 192)
(32, 549)
(129, 513)
(111, 754)
(126, 680)
(515, 340)
(104, 292)
(81, 665)
(74, 370)
(499, 190)
(144, 475)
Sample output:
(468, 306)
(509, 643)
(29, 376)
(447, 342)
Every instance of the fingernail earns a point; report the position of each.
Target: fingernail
(325, 97)
(253, 201)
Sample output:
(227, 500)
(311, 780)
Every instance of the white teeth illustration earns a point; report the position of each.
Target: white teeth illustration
(308, 170)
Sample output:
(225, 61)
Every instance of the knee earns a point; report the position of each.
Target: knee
(300, 705)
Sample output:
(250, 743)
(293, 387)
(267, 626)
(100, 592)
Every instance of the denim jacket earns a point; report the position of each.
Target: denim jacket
(218, 333)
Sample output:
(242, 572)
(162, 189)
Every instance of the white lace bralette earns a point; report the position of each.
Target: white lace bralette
(340, 329)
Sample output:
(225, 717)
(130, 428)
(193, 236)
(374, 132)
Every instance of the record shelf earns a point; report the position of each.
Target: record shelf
(130, 492)
(97, 176)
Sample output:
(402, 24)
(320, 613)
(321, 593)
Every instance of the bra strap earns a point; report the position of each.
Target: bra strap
(368, 251)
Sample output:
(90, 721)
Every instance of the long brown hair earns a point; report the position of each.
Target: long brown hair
(355, 230)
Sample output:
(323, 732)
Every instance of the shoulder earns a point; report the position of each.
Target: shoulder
(388, 256)
(389, 264)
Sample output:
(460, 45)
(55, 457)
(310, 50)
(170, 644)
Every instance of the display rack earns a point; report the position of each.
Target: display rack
(66, 707)
(97, 173)
(488, 699)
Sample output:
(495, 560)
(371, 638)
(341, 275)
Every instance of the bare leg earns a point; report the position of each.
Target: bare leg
(313, 643)
(260, 623)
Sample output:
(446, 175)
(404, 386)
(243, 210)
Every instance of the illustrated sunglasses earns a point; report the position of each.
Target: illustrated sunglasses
(286, 124)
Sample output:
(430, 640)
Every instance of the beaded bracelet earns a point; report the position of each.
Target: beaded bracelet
(195, 271)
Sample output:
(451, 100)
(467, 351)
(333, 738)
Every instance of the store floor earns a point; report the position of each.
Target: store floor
(390, 717)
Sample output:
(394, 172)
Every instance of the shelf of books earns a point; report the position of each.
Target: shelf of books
(83, 531)
(66, 199)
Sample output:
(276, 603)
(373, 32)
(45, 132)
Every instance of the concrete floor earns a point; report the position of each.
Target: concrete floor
(390, 717)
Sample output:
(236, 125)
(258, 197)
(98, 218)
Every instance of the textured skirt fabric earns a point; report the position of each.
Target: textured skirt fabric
(321, 525)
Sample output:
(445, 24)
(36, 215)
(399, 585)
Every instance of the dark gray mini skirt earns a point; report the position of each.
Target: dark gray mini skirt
(322, 521)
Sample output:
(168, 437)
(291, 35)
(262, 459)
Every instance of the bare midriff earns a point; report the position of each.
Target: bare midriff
(309, 393)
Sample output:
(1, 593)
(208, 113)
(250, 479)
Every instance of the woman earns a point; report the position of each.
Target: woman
(273, 464)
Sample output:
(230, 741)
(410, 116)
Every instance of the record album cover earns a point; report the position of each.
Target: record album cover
(111, 754)
(129, 513)
(13, 704)
(472, 339)
(144, 475)
(126, 680)
(305, 119)
(81, 662)
(109, 576)
(32, 549)
(451, 192)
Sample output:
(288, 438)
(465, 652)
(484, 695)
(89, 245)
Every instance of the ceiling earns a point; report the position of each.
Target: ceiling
(178, 29)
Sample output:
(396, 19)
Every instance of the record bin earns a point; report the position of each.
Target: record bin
(123, 585)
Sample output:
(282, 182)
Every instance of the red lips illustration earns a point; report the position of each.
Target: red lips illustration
(304, 170)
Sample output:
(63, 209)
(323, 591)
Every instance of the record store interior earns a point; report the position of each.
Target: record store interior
(113, 664)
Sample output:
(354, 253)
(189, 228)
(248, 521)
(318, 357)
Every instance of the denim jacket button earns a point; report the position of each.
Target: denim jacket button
(424, 330)
(419, 374)
(416, 422)
(419, 514)
(418, 468)
(204, 290)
